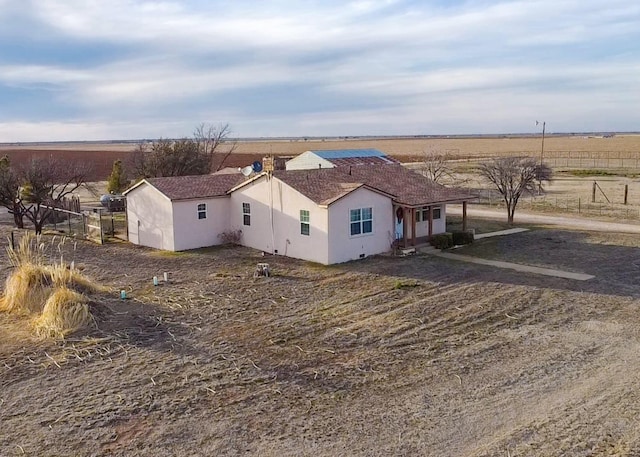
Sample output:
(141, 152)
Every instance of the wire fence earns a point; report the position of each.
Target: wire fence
(592, 159)
(67, 222)
(565, 205)
(93, 225)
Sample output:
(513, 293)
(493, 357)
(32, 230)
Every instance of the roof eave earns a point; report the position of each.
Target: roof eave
(144, 181)
(244, 183)
(436, 202)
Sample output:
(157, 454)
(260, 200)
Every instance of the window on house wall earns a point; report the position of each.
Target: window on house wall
(361, 221)
(202, 211)
(304, 222)
(246, 214)
(422, 214)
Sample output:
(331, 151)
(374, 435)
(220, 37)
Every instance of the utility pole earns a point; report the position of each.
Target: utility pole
(544, 124)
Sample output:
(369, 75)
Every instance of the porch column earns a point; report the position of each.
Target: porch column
(405, 226)
(430, 221)
(413, 226)
(464, 216)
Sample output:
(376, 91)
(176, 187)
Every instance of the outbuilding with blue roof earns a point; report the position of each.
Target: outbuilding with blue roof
(331, 158)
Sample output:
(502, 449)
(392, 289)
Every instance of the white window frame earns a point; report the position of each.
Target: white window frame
(422, 214)
(202, 211)
(360, 221)
(305, 222)
(246, 213)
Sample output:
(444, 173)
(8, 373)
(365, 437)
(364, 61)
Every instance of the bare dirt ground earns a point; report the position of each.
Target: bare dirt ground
(385, 356)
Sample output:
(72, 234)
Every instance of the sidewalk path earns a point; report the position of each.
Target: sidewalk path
(515, 266)
(562, 221)
(500, 233)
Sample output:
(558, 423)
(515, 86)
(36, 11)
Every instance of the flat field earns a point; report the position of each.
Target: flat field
(381, 357)
(620, 151)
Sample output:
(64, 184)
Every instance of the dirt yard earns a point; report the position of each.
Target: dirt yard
(381, 357)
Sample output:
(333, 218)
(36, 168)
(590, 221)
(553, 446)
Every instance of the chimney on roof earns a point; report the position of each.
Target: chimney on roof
(349, 170)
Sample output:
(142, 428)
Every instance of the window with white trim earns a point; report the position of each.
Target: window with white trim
(361, 221)
(304, 222)
(422, 214)
(246, 214)
(202, 210)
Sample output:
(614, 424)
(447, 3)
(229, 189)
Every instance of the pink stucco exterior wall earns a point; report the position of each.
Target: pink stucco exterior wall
(191, 232)
(156, 222)
(285, 238)
(329, 239)
(150, 220)
(344, 247)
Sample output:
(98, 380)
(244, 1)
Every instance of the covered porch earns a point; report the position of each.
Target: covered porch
(408, 216)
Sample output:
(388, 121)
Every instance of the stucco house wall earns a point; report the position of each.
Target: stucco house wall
(344, 247)
(286, 237)
(190, 232)
(150, 218)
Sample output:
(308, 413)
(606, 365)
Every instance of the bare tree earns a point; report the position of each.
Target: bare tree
(9, 196)
(436, 167)
(211, 140)
(44, 184)
(206, 152)
(513, 176)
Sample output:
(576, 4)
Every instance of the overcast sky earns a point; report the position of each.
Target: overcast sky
(129, 69)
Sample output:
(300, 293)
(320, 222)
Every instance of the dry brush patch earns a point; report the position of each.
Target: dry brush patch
(53, 294)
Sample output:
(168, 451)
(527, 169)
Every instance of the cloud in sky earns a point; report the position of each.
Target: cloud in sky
(89, 69)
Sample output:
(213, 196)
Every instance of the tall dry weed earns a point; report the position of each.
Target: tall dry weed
(64, 312)
(26, 290)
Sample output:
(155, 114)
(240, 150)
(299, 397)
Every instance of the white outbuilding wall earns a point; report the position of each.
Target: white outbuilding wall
(308, 161)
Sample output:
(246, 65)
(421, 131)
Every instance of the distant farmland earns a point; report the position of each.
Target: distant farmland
(620, 151)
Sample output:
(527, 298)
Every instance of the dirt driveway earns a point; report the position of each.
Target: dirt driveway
(545, 219)
(381, 357)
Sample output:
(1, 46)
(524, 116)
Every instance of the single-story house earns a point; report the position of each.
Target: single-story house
(327, 214)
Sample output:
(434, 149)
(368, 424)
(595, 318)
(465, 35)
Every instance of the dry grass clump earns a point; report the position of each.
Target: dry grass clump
(64, 312)
(26, 290)
(73, 279)
(51, 290)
